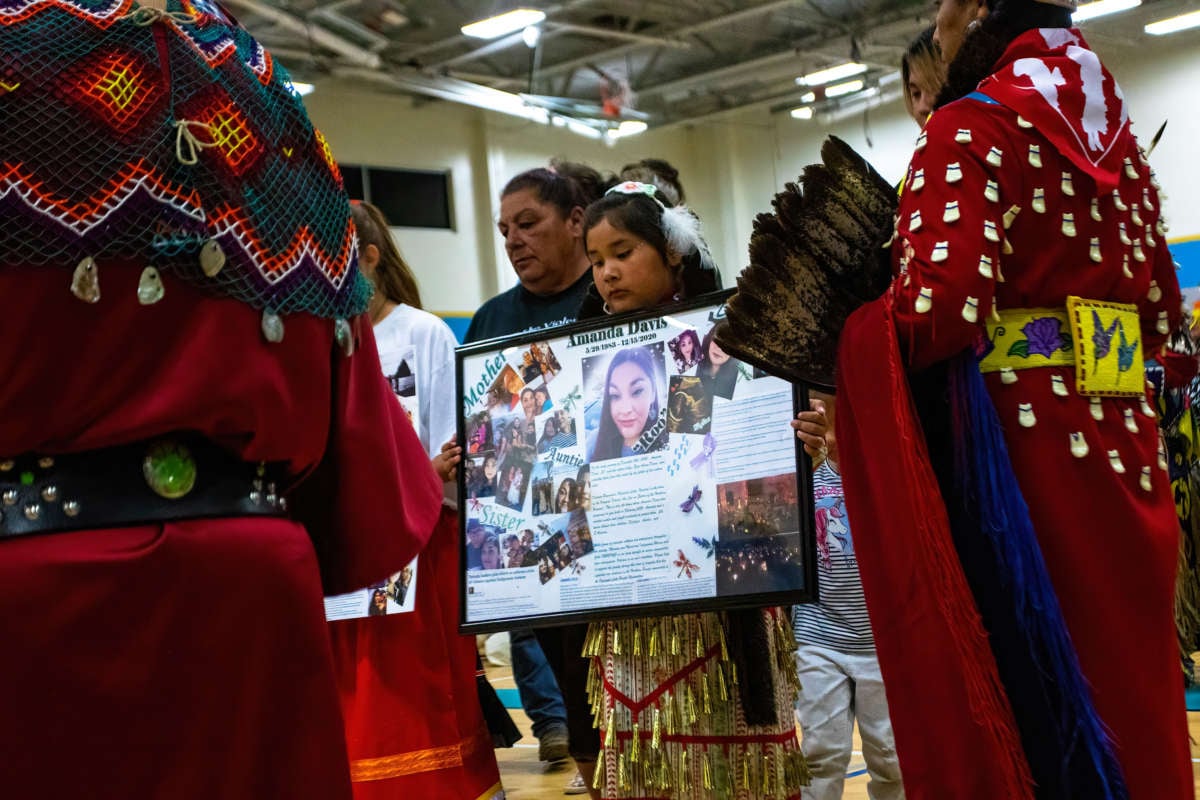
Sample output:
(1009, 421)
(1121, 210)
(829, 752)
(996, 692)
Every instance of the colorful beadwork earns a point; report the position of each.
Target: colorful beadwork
(143, 137)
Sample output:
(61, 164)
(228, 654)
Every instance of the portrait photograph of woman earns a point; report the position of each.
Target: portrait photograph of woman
(489, 556)
(717, 370)
(583, 488)
(685, 350)
(377, 604)
(567, 498)
(481, 477)
(553, 434)
(631, 419)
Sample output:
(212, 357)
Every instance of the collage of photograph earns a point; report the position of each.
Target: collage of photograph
(654, 423)
(524, 455)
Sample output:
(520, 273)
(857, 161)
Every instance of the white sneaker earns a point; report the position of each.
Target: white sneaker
(577, 785)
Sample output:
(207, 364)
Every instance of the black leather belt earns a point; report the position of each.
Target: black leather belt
(170, 478)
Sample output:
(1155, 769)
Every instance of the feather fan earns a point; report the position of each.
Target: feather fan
(816, 259)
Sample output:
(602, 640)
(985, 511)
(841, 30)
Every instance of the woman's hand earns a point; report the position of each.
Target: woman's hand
(810, 427)
(445, 463)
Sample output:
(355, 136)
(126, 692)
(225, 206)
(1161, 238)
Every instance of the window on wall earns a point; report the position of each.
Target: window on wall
(409, 198)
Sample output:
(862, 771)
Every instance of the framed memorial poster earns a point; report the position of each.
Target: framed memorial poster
(628, 467)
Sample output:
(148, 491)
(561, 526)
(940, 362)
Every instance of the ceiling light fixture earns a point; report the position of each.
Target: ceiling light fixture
(804, 112)
(583, 129)
(533, 34)
(808, 97)
(501, 24)
(839, 89)
(1174, 24)
(629, 127)
(393, 18)
(1100, 8)
(824, 76)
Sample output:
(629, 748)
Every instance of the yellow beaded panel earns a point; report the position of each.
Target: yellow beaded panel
(1108, 348)
(1029, 337)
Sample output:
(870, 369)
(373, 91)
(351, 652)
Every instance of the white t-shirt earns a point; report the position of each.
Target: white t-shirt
(416, 350)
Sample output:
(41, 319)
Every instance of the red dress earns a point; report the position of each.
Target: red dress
(191, 659)
(414, 724)
(414, 727)
(1083, 218)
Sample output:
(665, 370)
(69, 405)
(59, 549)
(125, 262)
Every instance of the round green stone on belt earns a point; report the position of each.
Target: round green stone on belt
(169, 469)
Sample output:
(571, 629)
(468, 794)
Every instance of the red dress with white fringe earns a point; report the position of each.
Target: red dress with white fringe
(1018, 204)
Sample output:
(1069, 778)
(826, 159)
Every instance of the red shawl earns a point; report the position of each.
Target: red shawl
(1053, 79)
(955, 732)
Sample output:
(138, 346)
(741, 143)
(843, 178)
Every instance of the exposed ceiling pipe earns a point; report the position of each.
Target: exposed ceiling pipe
(895, 21)
(886, 97)
(367, 66)
(550, 30)
(458, 39)
(765, 62)
(791, 99)
(488, 49)
(320, 36)
(481, 78)
(613, 33)
(362, 64)
(456, 91)
(377, 40)
(674, 33)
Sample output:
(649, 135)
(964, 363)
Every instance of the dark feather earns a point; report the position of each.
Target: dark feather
(843, 158)
(812, 262)
(769, 224)
(1157, 135)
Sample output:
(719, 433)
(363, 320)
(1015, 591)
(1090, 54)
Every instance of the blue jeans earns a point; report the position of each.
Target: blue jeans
(540, 695)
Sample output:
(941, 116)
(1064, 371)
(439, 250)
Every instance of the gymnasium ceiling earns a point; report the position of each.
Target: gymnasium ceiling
(678, 61)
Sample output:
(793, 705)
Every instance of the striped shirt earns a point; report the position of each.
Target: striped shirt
(839, 620)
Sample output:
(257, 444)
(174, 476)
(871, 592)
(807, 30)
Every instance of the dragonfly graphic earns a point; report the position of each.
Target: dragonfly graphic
(475, 504)
(569, 400)
(692, 502)
(709, 545)
(686, 566)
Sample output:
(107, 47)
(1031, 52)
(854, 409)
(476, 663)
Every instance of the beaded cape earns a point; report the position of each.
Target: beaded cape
(133, 135)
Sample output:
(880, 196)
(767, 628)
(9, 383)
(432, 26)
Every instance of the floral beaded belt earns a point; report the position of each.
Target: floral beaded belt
(174, 478)
(1100, 340)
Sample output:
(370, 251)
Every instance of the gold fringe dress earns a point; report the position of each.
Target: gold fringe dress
(665, 695)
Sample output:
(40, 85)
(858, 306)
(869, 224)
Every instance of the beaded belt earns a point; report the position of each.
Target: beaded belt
(1102, 341)
(172, 478)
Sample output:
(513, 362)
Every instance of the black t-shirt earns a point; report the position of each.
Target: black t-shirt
(519, 310)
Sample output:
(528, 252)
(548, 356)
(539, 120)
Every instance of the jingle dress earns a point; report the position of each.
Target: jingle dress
(1017, 197)
(670, 700)
(695, 705)
(183, 659)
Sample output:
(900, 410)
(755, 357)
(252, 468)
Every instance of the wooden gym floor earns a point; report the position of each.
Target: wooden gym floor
(526, 778)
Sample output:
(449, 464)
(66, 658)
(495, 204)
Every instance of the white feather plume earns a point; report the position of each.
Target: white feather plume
(681, 227)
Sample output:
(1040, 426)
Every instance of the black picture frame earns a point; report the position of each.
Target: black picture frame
(468, 398)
